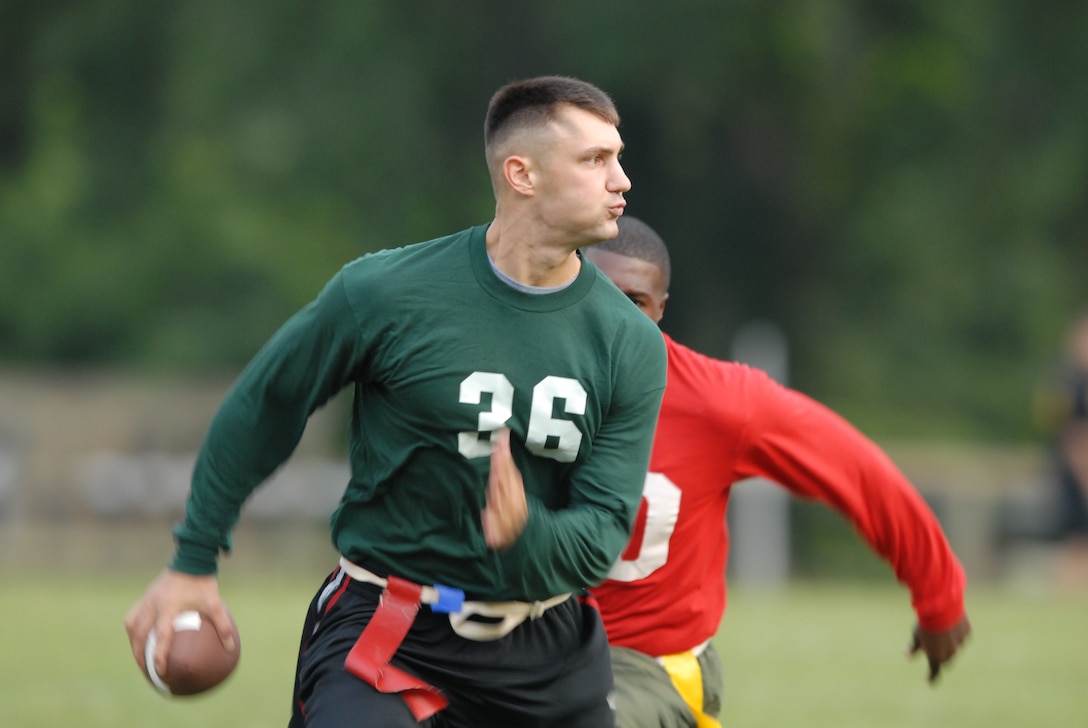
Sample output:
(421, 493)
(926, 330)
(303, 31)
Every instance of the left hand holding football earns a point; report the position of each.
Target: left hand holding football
(168, 595)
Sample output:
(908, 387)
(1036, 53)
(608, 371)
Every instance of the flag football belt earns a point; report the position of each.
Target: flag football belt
(369, 657)
(499, 618)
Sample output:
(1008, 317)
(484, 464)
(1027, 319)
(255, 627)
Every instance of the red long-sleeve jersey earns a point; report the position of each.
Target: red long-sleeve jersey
(722, 422)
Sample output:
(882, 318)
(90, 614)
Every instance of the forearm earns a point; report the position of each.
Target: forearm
(577, 545)
(569, 550)
(818, 455)
(261, 421)
(245, 444)
(896, 522)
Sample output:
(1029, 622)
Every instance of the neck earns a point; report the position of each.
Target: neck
(529, 257)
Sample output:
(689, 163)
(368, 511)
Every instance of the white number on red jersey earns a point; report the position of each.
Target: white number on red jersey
(662, 509)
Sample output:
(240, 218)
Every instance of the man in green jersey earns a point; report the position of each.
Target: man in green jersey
(505, 400)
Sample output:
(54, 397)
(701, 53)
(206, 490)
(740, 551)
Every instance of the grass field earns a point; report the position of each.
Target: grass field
(816, 655)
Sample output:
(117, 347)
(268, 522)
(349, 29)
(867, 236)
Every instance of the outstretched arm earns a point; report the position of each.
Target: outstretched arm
(816, 454)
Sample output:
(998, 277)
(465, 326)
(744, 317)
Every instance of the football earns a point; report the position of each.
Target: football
(197, 661)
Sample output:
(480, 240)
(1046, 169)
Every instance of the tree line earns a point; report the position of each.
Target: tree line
(900, 187)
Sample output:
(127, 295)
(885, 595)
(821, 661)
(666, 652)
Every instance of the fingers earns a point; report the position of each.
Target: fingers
(139, 623)
(224, 627)
(167, 596)
(137, 628)
(917, 646)
(915, 643)
(506, 512)
(934, 669)
(500, 452)
(939, 647)
(501, 459)
(164, 636)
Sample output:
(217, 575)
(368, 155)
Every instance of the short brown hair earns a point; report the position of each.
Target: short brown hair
(538, 100)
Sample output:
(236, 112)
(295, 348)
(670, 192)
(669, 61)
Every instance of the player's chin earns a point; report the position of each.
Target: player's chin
(609, 229)
(597, 232)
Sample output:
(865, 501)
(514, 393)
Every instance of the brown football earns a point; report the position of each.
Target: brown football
(197, 661)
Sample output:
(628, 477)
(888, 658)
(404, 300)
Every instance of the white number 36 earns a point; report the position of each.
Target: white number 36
(548, 436)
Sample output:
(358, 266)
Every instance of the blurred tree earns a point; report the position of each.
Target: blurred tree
(900, 186)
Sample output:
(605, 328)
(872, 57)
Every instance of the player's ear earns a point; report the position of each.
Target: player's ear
(516, 170)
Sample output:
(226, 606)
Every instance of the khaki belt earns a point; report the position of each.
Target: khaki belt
(509, 614)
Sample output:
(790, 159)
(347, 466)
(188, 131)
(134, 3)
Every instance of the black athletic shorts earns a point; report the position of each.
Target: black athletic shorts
(551, 671)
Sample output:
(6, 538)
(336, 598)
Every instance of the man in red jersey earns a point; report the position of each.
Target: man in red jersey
(722, 422)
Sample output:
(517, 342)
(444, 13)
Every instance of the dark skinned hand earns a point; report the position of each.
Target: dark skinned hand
(939, 647)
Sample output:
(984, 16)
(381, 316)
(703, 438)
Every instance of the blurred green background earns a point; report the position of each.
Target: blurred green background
(901, 188)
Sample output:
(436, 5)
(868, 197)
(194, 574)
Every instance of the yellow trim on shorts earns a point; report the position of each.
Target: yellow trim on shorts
(687, 678)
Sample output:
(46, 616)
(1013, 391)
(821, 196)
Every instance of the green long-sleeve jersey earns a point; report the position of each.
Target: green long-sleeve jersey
(441, 352)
